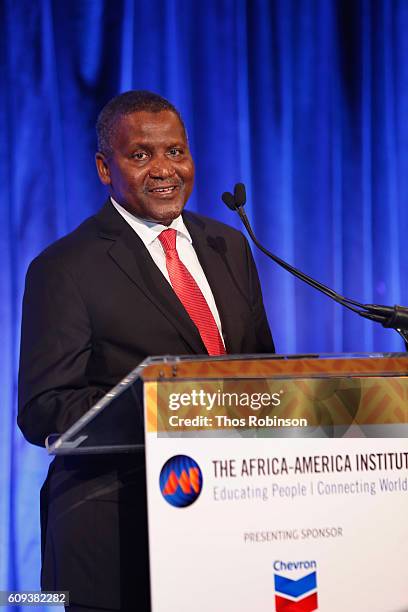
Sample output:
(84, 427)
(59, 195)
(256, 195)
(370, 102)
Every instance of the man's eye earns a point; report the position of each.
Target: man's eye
(175, 152)
(139, 155)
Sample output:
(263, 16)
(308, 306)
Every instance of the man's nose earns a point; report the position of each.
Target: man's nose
(161, 168)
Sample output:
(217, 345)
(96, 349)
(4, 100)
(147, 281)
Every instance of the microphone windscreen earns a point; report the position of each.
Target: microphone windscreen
(229, 200)
(239, 195)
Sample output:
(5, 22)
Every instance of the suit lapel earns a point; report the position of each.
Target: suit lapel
(130, 254)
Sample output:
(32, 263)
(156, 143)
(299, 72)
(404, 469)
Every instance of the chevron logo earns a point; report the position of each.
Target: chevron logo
(296, 595)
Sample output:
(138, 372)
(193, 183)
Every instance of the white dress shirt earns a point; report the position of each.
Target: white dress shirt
(148, 232)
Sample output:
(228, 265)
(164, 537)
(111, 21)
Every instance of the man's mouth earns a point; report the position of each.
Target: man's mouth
(164, 189)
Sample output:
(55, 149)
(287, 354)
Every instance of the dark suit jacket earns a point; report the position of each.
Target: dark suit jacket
(96, 305)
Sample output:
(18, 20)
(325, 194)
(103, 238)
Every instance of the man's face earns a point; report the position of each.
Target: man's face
(150, 172)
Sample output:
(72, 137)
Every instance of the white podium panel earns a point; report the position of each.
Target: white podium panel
(278, 524)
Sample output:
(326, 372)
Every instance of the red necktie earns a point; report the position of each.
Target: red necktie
(190, 295)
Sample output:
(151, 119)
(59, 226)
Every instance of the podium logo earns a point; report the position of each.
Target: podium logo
(298, 595)
(181, 481)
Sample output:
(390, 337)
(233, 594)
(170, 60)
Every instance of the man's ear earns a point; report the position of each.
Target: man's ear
(102, 167)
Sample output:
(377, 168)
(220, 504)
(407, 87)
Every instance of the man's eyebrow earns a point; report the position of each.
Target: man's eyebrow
(139, 143)
(148, 144)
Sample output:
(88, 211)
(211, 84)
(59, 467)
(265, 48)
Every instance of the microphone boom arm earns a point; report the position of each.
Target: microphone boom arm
(395, 317)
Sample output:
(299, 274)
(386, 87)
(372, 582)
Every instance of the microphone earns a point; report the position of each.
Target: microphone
(236, 200)
(395, 317)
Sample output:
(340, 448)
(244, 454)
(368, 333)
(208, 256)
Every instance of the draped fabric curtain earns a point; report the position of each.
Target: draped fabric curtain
(305, 101)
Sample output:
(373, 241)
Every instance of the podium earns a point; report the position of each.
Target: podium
(274, 482)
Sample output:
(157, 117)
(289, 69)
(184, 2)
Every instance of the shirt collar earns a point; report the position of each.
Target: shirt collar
(148, 231)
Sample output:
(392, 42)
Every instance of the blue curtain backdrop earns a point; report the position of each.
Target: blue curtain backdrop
(306, 101)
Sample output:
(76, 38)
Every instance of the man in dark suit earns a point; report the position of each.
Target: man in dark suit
(97, 303)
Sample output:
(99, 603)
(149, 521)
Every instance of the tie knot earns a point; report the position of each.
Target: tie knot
(168, 239)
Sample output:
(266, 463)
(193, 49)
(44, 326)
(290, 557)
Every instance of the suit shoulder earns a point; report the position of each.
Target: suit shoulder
(71, 247)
